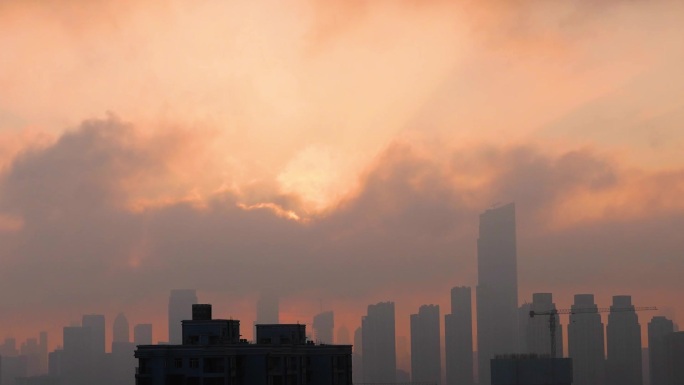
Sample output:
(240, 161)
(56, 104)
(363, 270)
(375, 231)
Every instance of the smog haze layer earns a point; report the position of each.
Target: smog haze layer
(334, 150)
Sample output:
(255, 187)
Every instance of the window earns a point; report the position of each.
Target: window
(214, 365)
(142, 368)
(214, 380)
(177, 363)
(194, 363)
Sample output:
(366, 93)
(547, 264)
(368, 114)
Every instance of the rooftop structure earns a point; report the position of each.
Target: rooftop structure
(213, 353)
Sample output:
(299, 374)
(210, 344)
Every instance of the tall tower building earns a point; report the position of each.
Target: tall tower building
(623, 364)
(121, 330)
(324, 325)
(379, 351)
(425, 346)
(674, 343)
(585, 342)
(658, 329)
(142, 334)
(96, 324)
(458, 338)
(180, 308)
(267, 311)
(497, 287)
(357, 360)
(343, 337)
(538, 333)
(43, 345)
(523, 320)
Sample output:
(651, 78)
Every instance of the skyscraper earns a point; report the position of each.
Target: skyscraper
(323, 325)
(523, 320)
(121, 330)
(43, 338)
(267, 311)
(343, 337)
(538, 328)
(357, 360)
(458, 338)
(585, 342)
(674, 343)
(658, 329)
(497, 287)
(180, 308)
(142, 334)
(378, 352)
(623, 364)
(425, 345)
(96, 324)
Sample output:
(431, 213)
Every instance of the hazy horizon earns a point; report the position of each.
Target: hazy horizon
(339, 151)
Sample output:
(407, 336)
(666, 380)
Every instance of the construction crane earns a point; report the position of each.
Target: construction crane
(553, 313)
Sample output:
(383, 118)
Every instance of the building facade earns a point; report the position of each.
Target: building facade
(674, 345)
(324, 326)
(658, 329)
(426, 358)
(623, 363)
(142, 334)
(121, 331)
(586, 342)
(180, 308)
(538, 328)
(458, 338)
(212, 353)
(531, 369)
(378, 350)
(497, 287)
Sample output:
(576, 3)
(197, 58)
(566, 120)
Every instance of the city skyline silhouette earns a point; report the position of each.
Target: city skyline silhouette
(324, 156)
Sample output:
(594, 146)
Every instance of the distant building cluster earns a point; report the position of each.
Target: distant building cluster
(515, 348)
(81, 360)
(518, 343)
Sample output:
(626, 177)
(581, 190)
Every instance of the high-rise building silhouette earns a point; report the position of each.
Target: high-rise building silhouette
(658, 329)
(343, 337)
(523, 320)
(121, 330)
(78, 364)
(43, 344)
(674, 343)
(324, 325)
(96, 323)
(357, 360)
(458, 338)
(142, 334)
(538, 328)
(30, 352)
(585, 342)
(268, 309)
(378, 352)
(497, 287)
(425, 345)
(180, 308)
(623, 363)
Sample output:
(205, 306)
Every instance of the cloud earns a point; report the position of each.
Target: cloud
(411, 224)
(338, 149)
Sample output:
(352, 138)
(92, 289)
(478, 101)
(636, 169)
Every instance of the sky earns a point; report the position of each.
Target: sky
(336, 152)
